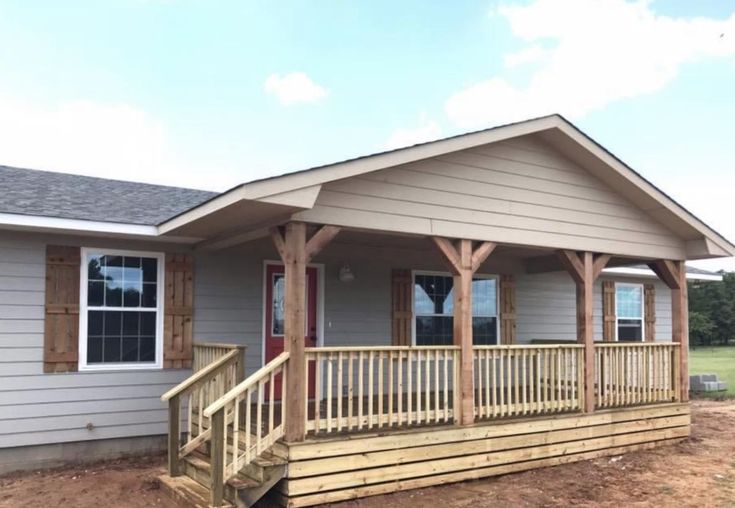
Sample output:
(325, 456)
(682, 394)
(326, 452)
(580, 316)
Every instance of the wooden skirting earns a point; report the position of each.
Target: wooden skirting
(351, 466)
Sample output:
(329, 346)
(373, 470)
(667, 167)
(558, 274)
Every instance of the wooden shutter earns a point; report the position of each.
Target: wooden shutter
(401, 313)
(178, 312)
(608, 310)
(61, 320)
(507, 310)
(649, 307)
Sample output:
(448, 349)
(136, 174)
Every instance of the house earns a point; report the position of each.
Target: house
(487, 303)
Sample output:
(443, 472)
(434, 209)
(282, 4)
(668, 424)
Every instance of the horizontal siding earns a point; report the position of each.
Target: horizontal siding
(510, 193)
(38, 408)
(546, 307)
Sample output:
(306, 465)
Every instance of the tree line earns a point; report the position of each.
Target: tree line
(712, 311)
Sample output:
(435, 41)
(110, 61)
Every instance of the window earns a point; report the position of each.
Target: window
(434, 306)
(121, 322)
(629, 312)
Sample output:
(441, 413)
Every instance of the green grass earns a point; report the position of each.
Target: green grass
(715, 360)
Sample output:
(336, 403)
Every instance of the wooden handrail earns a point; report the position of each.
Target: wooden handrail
(201, 376)
(251, 381)
(347, 349)
(529, 346)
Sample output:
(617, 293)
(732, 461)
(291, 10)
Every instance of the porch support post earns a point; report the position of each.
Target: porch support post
(584, 267)
(463, 262)
(296, 253)
(673, 274)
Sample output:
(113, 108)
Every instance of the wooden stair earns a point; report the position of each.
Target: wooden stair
(191, 489)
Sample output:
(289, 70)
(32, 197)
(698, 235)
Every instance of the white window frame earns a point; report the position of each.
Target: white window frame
(643, 308)
(83, 311)
(414, 273)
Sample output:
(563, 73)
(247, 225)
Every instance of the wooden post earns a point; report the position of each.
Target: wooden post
(673, 273)
(217, 476)
(584, 268)
(296, 253)
(174, 435)
(463, 262)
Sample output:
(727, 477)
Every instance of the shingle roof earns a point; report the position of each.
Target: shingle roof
(50, 194)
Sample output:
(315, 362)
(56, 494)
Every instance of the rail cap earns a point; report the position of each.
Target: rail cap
(199, 376)
(249, 382)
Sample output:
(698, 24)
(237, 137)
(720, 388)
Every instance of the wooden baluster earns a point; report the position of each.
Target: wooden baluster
(477, 360)
(427, 382)
(329, 392)
(271, 400)
(446, 385)
(380, 389)
(391, 388)
(284, 408)
(248, 428)
(217, 452)
(494, 362)
(418, 386)
(409, 391)
(259, 419)
(350, 390)
(400, 387)
(370, 390)
(437, 413)
(361, 385)
(502, 354)
(317, 391)
(236, 437)
(340, 385)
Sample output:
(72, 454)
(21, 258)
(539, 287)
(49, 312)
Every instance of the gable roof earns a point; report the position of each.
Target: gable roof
(60, 195)
(298, 190)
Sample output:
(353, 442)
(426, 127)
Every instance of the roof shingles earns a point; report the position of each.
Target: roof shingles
(61, 195)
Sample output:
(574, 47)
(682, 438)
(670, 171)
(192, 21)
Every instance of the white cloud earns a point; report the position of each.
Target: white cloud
(294, 87)
(599, 52)
(427, 130)
(108, 140)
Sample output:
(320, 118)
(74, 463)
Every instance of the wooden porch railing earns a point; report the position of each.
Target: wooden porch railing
(356, 388)
(636, 373)
(243, 425)
(206, 353)
(522, 380)
(205, 386)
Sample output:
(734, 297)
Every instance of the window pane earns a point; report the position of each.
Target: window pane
(277, 305)
(113, 323)
(94, 322)
(629, 301)
(150, 269)
(149, 297)
(484, 331)
(112, 352)
(113, 294)
(433, 330)
(484, 299)
(94, 349)
(130, 321)
(630, 330)
(131, 294)
(147, 323)
(94, 267)
(130, 349)
(147, 349)
(433, 294)
(95, 293)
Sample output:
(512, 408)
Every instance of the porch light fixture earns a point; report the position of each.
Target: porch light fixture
(345, 274)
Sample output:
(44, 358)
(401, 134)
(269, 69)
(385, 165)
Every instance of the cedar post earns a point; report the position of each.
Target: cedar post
(174, 436)
(673, 274)
(584, 268)
(296, 253)
(463, 262)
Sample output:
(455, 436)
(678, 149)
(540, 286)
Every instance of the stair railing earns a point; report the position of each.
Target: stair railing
(246, 421)
(198, 391)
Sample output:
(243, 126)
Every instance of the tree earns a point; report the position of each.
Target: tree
(712, 310)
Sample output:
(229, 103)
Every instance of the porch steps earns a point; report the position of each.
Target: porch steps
(243, 490)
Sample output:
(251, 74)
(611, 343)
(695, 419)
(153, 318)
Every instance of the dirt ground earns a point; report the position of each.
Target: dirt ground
(699, 473)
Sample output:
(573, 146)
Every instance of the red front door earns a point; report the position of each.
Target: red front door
(274, 314)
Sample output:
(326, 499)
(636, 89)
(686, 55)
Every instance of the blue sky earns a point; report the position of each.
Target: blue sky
(210, 94)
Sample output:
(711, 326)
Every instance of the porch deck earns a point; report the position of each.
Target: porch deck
(382, 419)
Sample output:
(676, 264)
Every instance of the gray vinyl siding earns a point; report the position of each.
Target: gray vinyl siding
(546, 307)
(38, 408)
(520, 192)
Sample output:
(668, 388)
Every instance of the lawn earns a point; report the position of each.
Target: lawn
(715, 360)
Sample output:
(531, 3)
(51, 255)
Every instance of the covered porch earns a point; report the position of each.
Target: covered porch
(510, 397)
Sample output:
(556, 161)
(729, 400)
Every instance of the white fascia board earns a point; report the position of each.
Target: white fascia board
(644, 272)
(12, 221)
